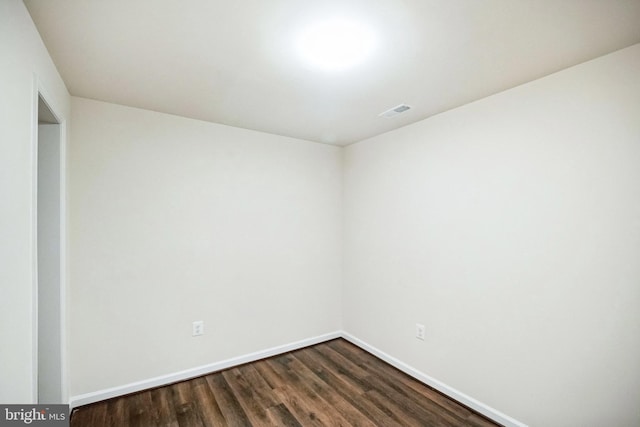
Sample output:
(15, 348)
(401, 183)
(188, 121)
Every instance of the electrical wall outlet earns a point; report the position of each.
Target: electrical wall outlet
(197, 328)
(420, 331)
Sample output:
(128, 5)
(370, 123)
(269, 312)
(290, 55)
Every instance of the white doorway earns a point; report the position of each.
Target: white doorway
(49, 243)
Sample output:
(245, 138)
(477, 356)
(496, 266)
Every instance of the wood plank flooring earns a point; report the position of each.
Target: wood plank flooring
(330, 384)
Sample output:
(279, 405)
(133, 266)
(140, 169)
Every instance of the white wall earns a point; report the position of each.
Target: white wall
(174, 220)
(49, 258)
(510, 227)
(22, 55)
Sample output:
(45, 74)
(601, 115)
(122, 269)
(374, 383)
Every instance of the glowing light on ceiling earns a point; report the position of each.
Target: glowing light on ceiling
(336, 45)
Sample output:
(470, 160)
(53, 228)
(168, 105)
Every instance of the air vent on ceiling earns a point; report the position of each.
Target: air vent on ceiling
(395, 111)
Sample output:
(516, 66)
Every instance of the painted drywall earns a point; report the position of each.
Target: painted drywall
(23, 61)
(174, 220)
(510, 228)
(49, 241)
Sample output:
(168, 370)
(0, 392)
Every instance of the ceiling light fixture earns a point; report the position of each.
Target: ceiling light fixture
(335, 45)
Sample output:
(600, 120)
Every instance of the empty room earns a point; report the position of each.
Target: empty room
(288, 213)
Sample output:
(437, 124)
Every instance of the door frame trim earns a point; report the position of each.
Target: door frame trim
(40, 90)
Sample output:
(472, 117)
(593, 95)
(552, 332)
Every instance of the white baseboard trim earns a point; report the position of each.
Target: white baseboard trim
(96, 396)
(477, 406)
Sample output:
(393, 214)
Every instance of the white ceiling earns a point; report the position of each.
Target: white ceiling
(234, 62)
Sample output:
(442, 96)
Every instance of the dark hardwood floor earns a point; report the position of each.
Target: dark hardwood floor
(329, 384)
